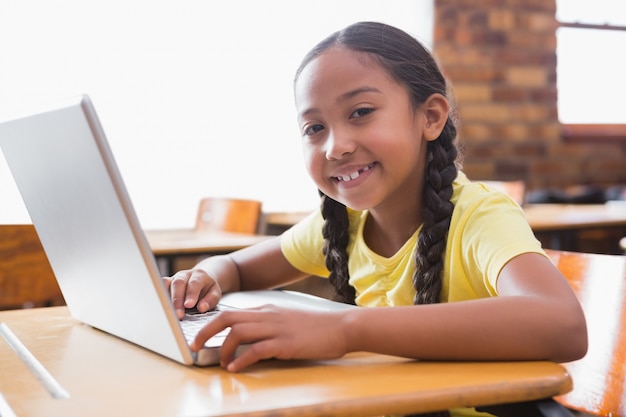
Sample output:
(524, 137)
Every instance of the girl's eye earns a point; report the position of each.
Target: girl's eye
(313, 129)
(363, 111)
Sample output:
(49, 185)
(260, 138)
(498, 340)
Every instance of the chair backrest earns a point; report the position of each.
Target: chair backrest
(229, 215)
(26, 278)
(515, 189)
(599, 281)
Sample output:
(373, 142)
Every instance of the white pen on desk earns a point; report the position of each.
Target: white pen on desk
(42, 374)
(5, 409)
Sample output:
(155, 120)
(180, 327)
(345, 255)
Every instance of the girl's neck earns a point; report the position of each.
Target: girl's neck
(386, 231)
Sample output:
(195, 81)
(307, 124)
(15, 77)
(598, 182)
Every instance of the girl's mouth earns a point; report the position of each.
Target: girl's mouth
(354, 175)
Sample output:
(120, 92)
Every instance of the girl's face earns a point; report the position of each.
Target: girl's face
(362, 139)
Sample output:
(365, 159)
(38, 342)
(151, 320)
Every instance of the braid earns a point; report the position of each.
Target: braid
(336, 238)
(441, 170)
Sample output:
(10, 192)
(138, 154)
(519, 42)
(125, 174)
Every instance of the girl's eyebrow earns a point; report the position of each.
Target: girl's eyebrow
(352, 93)
(345, 96)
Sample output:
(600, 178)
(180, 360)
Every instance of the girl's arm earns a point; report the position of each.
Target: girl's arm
(536, 317)
(261, 266)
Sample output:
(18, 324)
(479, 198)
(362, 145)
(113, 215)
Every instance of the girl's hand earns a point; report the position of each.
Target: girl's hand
(274, 332)
(193, 288)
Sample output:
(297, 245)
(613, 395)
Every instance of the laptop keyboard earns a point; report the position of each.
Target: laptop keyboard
(194, 321)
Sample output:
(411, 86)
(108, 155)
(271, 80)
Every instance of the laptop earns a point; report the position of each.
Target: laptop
(74, 193)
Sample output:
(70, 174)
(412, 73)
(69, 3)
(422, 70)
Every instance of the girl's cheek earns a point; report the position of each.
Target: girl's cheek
(315, 169)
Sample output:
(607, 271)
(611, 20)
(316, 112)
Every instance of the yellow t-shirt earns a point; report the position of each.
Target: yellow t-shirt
(487, 230)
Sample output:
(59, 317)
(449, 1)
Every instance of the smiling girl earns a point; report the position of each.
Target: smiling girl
(452, 267)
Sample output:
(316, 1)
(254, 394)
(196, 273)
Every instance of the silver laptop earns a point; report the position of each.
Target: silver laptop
(77, 201)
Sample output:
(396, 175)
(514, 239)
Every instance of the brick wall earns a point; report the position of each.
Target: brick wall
(500, 58)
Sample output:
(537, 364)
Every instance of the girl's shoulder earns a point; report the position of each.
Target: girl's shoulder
(469, 193)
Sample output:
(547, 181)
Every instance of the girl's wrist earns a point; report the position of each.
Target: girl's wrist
(351, 329)
(222, 271)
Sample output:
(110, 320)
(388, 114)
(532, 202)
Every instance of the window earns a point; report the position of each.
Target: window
(195, 96)
(590, 72)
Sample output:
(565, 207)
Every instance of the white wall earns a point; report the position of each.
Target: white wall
(195, 96)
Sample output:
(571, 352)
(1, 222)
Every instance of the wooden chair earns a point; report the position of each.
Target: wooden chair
(217, 214)
(26, 278)
(599, 378)
(229, 215)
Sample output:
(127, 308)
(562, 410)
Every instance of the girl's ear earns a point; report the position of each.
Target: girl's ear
(436, 108)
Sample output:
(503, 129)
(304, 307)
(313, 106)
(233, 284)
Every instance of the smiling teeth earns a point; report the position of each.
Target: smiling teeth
(355, 174)
(352, 176)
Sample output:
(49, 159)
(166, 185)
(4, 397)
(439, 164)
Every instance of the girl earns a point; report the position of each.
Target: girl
(453, 266)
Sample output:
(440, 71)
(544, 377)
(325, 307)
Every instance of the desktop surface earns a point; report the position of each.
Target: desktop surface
(104, 375)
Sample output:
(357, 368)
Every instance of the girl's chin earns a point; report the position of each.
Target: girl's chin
(350, 202)
(354, 204)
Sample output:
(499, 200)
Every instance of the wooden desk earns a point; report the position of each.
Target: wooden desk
(554, 217)
(541, 217)
(557, 225)
(278, 222)
(106, 376)
(599, 282)
(581, 228)
(167, 245)
(190, 242)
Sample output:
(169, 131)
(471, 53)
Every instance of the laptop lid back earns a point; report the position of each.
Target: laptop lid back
(75, 196)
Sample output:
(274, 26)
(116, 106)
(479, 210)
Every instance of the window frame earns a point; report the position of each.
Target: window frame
(615, 132)
(593, 132)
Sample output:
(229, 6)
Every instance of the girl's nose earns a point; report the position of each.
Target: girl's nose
(339, 145)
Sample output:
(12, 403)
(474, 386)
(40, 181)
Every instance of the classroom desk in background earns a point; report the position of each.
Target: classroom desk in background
(541, 217)
(170, 244)
(558, 225)
(190, 242)
(105, 376)
(554, 217)
(579, 227)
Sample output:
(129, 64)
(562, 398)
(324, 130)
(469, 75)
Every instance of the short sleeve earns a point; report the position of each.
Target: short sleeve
(489, 230)
(302, 245)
